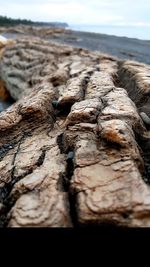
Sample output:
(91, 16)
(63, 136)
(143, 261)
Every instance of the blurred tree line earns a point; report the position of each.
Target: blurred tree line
(5, 21)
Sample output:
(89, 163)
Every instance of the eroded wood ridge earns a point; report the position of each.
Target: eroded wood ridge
(69, 150)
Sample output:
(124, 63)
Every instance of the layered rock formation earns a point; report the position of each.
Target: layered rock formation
(39, 31)
(72, 146)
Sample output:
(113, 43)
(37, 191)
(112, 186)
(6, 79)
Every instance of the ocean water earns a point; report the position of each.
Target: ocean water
(140, 32)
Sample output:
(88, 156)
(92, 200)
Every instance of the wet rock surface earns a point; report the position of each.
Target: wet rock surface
(73, 147)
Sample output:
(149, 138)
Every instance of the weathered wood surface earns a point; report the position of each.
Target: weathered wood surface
(70, 147)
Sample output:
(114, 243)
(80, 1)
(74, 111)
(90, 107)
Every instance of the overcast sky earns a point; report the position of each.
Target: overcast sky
(122, 12)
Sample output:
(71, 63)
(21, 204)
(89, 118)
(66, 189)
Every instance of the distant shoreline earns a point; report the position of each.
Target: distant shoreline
(137, 32)
(124, 48)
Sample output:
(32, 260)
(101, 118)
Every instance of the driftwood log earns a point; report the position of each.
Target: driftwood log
(74, 150)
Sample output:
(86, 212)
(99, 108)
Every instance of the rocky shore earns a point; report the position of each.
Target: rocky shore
(121, 47)
(74, 147)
